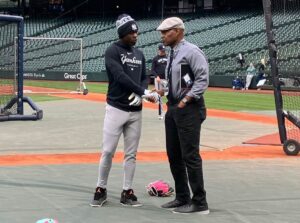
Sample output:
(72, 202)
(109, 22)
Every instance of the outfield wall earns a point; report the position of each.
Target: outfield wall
(214, 80)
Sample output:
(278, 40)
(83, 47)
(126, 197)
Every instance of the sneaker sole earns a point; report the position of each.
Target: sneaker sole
(171, 208)
(98, 205)
(132, 205)
(197, 212)
(168, 208)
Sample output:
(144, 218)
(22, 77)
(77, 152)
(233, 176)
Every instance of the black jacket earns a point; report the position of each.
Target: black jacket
(159, 64)
(126, 71)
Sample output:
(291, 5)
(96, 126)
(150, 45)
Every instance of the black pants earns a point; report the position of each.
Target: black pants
(183, 127)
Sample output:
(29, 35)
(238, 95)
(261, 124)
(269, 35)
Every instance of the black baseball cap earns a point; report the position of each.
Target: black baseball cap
(161, 47)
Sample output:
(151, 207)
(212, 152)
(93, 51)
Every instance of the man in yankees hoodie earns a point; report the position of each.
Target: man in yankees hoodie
(126, 70)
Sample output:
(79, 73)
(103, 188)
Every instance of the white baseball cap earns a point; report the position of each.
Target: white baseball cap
(171, 23)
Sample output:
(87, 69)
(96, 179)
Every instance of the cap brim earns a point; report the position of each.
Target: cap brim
(162, 28)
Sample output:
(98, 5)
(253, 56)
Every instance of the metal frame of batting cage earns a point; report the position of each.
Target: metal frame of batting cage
(82, 89)
(290, 146)
(19, 100)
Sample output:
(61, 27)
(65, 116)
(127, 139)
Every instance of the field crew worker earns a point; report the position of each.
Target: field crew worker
(126, 71)
(187, 73)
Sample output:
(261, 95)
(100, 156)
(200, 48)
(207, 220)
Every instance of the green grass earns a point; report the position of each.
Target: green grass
(68, 85)
(238, 101)
(232, 101)
(40, 98)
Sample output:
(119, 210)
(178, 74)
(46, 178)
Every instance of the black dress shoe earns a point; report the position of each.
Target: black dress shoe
(192, 208)
(174, 204)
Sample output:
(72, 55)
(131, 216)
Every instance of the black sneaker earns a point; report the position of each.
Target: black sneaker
(129, 199)
(100, 197)
(192, 208)
(174, 204)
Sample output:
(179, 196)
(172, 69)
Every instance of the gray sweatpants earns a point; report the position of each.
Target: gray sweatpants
(117, 122)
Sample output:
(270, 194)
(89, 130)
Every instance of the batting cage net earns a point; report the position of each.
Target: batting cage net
(284, 52)
(11, 71)
(54, 59)
(8, 68)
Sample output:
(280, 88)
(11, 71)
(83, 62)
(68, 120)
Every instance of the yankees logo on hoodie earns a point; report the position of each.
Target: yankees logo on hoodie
(126, 71)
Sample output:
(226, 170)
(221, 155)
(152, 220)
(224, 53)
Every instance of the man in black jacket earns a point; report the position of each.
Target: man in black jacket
(126, 70)
(159, 63)
(158, 69)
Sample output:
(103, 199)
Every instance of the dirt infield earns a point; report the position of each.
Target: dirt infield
(234, 153)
